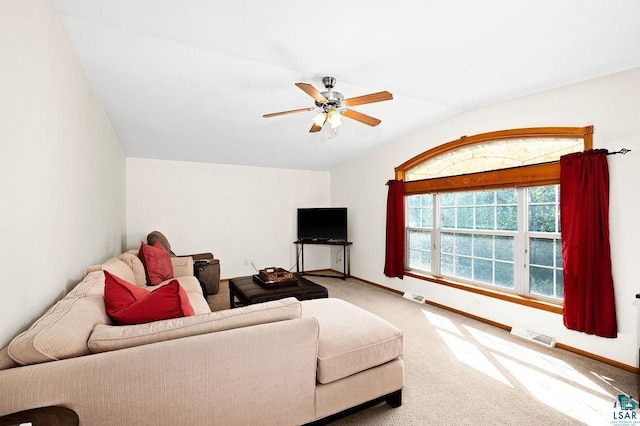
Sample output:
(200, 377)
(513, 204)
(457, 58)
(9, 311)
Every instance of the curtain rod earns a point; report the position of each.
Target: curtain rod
(622, 151)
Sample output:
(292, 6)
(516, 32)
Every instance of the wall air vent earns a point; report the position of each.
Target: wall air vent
(534, 336)
(414, 296)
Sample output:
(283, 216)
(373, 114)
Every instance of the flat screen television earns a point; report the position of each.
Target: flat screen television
(322, 224)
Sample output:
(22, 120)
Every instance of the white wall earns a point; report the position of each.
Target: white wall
(237, 212)
(611, 104)
(62, 170)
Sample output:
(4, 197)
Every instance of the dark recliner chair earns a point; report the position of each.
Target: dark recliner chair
(205, 267)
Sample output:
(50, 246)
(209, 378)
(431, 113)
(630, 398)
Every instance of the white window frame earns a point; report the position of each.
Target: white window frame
(521, 241)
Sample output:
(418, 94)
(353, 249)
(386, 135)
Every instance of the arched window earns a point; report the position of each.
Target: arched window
(482, 212)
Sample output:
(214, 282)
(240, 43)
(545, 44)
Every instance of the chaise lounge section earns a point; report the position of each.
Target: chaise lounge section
(282, 362)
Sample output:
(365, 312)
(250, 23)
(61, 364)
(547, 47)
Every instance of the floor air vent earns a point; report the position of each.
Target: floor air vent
(413, 296)
(534, 336)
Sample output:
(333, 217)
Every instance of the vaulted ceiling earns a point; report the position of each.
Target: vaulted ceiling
(190, 79)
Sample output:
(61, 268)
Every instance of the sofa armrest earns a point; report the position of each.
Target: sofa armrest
(272, 365)
(182, 266)
(202, 256)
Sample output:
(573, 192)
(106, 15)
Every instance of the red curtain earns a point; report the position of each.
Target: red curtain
(394, 258)
(589, 304)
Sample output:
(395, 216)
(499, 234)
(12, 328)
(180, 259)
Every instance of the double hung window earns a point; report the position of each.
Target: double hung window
(496, 223)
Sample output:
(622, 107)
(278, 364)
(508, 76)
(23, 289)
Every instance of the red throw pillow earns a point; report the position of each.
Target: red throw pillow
(157, 263)
(126, 303)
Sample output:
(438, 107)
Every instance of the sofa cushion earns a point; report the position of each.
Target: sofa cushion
(108, 338)
(62, 332)
(351, 338)
(128, 304)
(193, 290)
(133, 261)
(182, 266)
(119, 268)
(157, 263)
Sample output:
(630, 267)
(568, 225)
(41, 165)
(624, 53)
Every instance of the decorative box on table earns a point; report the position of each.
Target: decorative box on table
(275, 277)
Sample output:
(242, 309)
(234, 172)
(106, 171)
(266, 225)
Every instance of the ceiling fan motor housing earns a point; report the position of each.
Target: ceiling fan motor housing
(329, 82)
(335, 100)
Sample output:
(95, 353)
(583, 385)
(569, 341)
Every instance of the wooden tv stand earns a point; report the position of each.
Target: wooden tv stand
(346, 260)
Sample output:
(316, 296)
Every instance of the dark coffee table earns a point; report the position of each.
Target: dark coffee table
(245, 291)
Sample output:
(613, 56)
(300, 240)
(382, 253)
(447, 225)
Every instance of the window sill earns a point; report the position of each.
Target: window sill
(513, 298)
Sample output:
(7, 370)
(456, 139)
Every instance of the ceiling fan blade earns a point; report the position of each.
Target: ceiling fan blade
(274, 114)
(363, 118)
(313, 92)
(370, 98)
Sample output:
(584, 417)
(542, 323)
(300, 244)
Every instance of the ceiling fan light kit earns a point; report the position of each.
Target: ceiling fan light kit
(333, 106)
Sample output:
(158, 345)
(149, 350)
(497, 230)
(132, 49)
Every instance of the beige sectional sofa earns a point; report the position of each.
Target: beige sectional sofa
(283, 362)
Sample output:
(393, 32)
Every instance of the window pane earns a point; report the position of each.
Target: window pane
(427, 217)
(485, 218)
(541, 251)
(542, 194)
(447, 217)
(463, 267)
(419, 250)
(543, 212)
(446, 264)
(414, 259)
(483, 271)
(420, 240)
(504, 248)
(507, 196)
(483, 246)
(465, 198)
(465, 218)
(485, 198)
(413, 201)
(541, 281)
(507, 218)
(420, 211)
(504, 274)
(413, 218)
(448, 199)
(446, 243)
(420, 260)
(545, 269)
(542, 218)
(559, 284)
(463, 244)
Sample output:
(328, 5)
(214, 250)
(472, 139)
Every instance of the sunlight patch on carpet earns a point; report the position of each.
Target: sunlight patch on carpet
(470, 355)
(564, 397)
(441, 322)
(536, 359)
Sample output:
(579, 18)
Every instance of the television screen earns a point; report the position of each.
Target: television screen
(322, 224)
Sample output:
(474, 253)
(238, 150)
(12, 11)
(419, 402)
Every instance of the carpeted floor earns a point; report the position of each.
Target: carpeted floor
(464, 372)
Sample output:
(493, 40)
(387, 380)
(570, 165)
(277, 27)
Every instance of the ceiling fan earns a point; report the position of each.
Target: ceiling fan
(333, 106)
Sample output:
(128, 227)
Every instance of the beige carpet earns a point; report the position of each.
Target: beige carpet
(459, 371)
